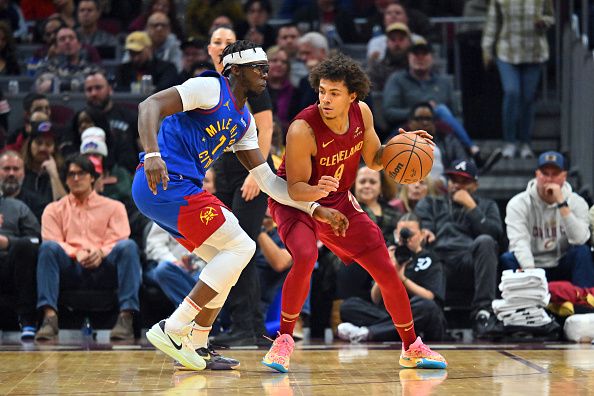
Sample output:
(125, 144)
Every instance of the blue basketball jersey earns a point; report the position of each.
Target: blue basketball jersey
(191, 141)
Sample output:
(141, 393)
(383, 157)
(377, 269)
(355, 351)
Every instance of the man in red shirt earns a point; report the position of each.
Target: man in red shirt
(325, 143)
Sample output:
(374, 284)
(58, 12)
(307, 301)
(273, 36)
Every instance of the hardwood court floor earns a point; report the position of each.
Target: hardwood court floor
(338, 369)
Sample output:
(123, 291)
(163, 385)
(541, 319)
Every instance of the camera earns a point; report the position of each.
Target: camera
(402, 252)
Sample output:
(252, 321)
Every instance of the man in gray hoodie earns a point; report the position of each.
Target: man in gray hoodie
(548, 226)
(466, 228)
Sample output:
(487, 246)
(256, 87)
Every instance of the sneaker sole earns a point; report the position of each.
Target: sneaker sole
(155, 337)
(422, 364)
(276, 366)
(181, 367)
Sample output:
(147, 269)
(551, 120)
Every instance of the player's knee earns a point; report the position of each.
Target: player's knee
(244, 246)
(305, 255)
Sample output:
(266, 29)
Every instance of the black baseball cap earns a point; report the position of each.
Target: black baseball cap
(463, 168)
(42, 129)
(420, 44)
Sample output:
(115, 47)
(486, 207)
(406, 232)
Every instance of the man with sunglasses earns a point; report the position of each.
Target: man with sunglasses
(143, 62)
(203, 117)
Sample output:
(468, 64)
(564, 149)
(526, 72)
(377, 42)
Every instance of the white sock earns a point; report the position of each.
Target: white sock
(182, 316)
(200, 336)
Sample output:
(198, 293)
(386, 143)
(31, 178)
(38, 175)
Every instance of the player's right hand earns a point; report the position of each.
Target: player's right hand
(326, 185)
(156, 172)
(334, 218)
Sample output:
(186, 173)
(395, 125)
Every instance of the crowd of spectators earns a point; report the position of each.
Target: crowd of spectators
(66, 212)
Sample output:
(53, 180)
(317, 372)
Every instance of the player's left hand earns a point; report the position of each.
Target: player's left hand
(249, 189)
(156, 172)
(337, 220)
(421, 133)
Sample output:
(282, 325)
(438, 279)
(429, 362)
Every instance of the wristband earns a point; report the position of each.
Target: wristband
(563, 204)
(312, 208)
(153, 154)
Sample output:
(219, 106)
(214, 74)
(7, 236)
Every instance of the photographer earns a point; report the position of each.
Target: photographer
(421, 273)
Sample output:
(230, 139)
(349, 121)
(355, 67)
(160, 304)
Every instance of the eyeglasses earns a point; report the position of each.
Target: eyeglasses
(423, 119)
(73, 174)
(261, 67)
(156, 25)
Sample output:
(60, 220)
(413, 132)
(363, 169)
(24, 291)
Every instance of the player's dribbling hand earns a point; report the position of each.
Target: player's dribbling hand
(327, 184)
(424, 134)
(334, 218)
(156, 172)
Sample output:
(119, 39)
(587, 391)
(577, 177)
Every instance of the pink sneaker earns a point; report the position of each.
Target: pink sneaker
(419, 355)
(280, 353)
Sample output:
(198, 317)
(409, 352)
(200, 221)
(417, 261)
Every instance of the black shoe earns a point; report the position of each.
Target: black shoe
(234, 338)
(493, 158)
(487, 327)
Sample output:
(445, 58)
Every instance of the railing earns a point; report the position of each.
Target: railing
(577, 117)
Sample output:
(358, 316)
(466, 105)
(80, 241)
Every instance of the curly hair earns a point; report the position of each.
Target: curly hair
(239, 45)
(340, 67)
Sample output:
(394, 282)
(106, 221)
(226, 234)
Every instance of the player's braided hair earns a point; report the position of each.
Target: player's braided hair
(239, 45)
(341, 68)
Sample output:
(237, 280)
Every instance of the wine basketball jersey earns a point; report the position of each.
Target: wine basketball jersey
(338, 155)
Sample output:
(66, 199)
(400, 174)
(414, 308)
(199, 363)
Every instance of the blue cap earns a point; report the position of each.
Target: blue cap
(464, 168)
(551, 158)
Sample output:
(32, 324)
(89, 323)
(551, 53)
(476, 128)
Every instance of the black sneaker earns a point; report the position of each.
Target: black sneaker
(493, 158)
(214, 360)
(234, 338)
(487, 327)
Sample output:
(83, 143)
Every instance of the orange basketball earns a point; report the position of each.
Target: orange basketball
(407, 158)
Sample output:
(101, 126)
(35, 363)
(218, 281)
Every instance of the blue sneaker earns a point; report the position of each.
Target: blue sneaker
(28, 333)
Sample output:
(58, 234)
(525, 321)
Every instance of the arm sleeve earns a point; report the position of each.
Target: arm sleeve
(157, 245)
(199, 93)
(518, 232)
(276, 188)
(576, 224)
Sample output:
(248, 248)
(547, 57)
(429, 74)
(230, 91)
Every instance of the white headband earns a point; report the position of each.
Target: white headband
(246, 56)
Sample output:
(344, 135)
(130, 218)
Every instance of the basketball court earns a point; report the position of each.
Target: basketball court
(76, 367)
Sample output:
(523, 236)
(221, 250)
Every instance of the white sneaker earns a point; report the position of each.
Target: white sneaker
(177, 346)
(350, 332)
(508, 150)
(526, 152)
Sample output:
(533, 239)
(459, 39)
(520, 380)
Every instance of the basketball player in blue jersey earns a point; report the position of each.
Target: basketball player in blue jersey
(203, 117)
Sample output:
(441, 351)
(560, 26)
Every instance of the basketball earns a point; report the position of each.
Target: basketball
(407, 158)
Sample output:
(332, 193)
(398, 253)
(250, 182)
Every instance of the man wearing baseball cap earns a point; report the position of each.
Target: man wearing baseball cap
(468, 228)
(398, 41)
(548, 226)
(143, 62)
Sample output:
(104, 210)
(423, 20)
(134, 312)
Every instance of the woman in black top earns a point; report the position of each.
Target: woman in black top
(238, 190)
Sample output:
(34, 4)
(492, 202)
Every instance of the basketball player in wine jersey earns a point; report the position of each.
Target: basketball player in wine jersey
(325, 143)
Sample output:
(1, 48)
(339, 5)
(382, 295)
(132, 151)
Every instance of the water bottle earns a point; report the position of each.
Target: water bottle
(146, 84)
(75, 85)
(13, 87)
(86, 329)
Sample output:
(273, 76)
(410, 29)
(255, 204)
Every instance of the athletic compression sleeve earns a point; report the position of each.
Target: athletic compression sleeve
(276, 188)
